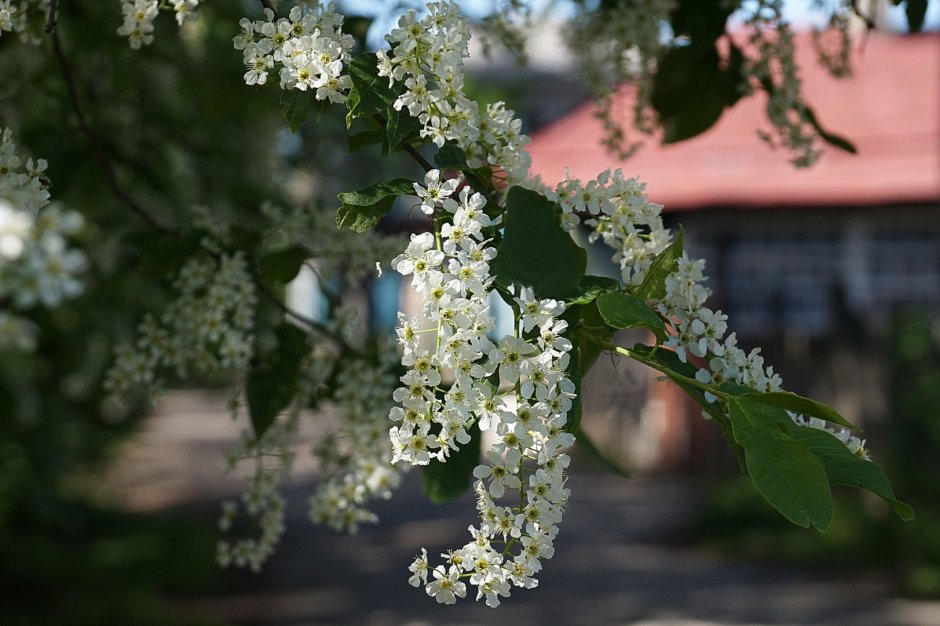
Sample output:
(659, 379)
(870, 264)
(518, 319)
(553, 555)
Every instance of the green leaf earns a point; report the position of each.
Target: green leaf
(368, 196)
(844, 468)
(369, 93)
(915, 11)
(831, 138)
(701, 20)
(359, 219)
(451, 157)
(360, 140)
(296, 106)
(400, 128)
(653, 286)
(593, 286)
(588, 446)
(361, 210)
(593, 330)
(535, 250)
(799, 404)
(271, 383)
(622, 310)
(445, 481)
(671, 365)
(785, 471)
(284, 265)
(689, 93)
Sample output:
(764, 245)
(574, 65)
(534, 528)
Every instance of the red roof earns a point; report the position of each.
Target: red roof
(890, 110)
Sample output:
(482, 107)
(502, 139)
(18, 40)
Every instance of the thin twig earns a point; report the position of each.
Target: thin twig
(410, 149)
(50, 24)
(869, 21)
(313, 324)
(267, 5)
(105, 162)
(417, 157)
(100, 154)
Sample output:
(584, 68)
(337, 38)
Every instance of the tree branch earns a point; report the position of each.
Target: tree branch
(267, 5)
(313, 324)
(101, 156)
(50, 24)
(869, 21)
(410, 149)
(107, 166)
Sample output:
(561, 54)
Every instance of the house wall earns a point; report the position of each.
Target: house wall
(814, 288)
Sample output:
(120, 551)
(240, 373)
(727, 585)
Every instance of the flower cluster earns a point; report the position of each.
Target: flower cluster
(775, 68)
(209, 325)
(426, 57)
(262, 502)
(140, 14)
(452, 274)
(337, 252)
(356, 457)
(627, 41)
(37, 267)
(507, 547)
(700, 331)
(625, 220)
(308, 48)
(620, 214)
(24, 17)
(834, 43)
(453, 384)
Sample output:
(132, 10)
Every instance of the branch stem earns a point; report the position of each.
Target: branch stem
(104, 161)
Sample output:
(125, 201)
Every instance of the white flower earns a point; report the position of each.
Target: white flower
(501, 472)
(419, 570)
(434, 192)
(446, 586)
(509, 354)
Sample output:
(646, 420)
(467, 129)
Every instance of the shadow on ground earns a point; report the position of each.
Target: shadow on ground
(614, 563)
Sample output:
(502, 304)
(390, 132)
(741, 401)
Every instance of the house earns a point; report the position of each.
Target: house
(810, 264)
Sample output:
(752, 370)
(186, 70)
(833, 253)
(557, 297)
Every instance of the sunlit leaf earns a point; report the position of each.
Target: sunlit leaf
(535, 251)
(785, 471)
(621, 310)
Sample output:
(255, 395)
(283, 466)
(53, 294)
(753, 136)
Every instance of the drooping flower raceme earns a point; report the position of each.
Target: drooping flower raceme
(625, 42)
(427, 57)
(209, 326)
(262, 503)
(775, 66)
(460, 379)
(623, 217)
(26, 18)
(140, 14)
(451, 272)
(354, 388)
(356, 458)
(37, 266)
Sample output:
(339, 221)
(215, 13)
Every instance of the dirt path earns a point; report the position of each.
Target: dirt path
(612, 565)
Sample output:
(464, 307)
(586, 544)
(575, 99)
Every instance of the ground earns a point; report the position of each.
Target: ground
(616, 560)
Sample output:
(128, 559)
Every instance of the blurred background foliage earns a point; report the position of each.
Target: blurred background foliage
(864, 533)
(182, 130)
